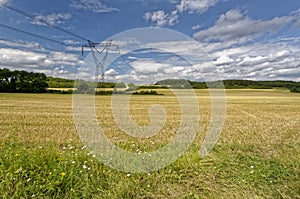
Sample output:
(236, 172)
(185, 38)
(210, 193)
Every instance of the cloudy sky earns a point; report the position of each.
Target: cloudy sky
(193, 39)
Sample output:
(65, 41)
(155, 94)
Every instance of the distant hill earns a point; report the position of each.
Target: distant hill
(55, 82)
(232, 84)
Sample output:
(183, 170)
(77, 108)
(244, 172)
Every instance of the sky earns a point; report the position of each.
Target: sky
(150, 40)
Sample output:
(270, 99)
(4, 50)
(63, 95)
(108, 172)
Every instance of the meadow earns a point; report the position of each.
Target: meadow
(257, 155)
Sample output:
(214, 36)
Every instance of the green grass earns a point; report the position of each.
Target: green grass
(257, 155)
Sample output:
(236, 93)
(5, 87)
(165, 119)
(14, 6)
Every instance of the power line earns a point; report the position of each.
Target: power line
(36, 47)
(42, 21)
(32, 34)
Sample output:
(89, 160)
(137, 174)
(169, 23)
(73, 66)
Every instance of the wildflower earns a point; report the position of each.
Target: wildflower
(73, 162)
(28, 179)
(84, 166)
(17, 155)
(251, 166)
(128, 175)
(63, 173)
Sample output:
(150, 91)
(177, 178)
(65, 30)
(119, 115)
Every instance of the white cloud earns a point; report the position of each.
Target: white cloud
(19, 43)
(71, 42)
(195, 6)
(53, 63)
(223, 60)
(160, 18)
(52, 19)
(237, 27)
(196, 27)
(271, 60)
(3, 2)
(146, 66)
(95, 6)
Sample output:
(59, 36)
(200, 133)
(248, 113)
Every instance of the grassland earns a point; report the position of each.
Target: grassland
(257, 155)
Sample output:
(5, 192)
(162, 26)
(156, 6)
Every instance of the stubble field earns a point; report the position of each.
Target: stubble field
(257, 155)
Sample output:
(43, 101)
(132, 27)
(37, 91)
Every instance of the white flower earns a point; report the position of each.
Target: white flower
(128, 175)
(84, 166)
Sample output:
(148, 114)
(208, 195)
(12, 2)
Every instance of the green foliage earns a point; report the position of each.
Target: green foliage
(55, 82)
(175, 83)
(104, 92)
(295, 89)
(60, 91)
(151, 92)
(70, 171)
(109, 85)
(22, 81)
(231, 84)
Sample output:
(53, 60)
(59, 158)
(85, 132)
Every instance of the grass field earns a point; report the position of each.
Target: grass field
(257, 155)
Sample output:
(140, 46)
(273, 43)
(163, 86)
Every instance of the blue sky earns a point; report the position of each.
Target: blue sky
(243, 39)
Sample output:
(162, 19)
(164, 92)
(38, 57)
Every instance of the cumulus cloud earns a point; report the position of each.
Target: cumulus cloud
(270, 60)
(20, 43)
(224, 59)
(196, 27)
(95, 6)
(195, 6)
(71, 42)
(160, 18)
(146, 66)
(52, 19)
(3, 2)
(238, 27)
(53, 63)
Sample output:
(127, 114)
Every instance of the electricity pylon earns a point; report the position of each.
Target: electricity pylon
(99, 75)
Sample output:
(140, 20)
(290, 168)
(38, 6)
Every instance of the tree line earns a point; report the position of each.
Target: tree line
(231, 84)
(20, 81)
(56, 82)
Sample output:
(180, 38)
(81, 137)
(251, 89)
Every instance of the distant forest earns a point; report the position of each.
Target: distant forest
(30, 82)
(232, 84)
(22, 82)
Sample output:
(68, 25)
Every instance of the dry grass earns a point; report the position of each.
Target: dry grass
(257, 155)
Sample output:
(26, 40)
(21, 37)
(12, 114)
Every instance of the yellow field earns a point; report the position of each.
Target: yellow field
(266, 116)
(261, 124)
